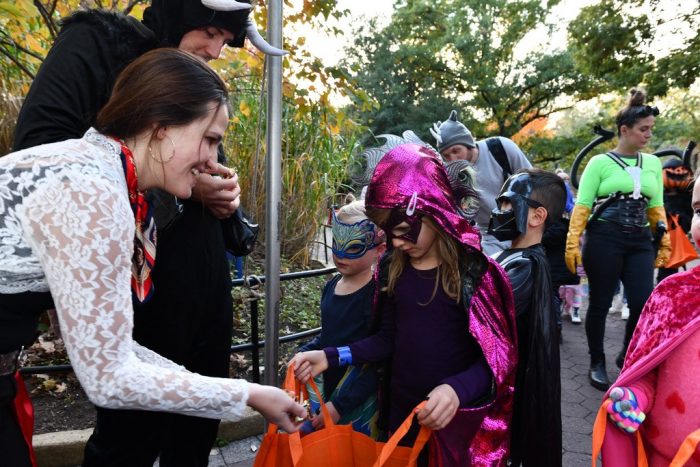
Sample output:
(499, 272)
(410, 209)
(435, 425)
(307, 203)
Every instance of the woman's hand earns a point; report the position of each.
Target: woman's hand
(309, 364)
(665, 251)
(219, 191)
(577, 224)
(276, 406)
(441, 408)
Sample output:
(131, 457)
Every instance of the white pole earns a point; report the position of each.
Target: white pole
(273, 178)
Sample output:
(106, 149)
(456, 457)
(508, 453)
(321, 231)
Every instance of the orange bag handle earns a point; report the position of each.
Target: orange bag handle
(674, 221)
(686, 450)
(292, 384)
(295, 385)
(599, 432)
(599, 436)
(421, 439)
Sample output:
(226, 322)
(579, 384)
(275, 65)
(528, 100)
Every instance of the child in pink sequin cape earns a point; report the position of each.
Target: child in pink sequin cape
(411, 199)
(656, 398)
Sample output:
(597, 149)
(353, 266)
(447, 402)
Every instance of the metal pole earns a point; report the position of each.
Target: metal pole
(273, 183)
(255, 335)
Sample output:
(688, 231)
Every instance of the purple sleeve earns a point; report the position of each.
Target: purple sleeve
(373, 348)
(472, 383)
(332, 356)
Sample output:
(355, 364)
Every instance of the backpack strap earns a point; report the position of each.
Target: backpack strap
(618, 160)
(499, 153)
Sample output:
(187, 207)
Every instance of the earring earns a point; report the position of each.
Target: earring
(160, 159)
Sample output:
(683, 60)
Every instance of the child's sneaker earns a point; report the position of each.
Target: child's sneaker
(617, 303)
(625, 312)
(575, 316)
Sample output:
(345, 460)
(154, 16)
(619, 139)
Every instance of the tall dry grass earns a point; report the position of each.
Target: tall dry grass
(10, 103)
(316, 148)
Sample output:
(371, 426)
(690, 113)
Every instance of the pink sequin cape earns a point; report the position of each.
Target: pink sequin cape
(414, 175)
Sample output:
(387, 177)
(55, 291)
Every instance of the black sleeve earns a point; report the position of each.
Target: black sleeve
(72, 85)
(313, 344)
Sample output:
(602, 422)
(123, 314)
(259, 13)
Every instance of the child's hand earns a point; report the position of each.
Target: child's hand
(441, 408)
(623, 409)
(309, 364)
(317, 421)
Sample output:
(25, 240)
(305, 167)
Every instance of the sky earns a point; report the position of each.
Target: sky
(329, 48)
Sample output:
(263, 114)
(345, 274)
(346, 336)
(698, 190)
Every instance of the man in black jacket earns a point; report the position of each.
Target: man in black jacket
(189, 318)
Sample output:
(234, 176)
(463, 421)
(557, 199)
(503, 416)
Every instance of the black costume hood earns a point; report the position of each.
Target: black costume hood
(172, 19)
(125, 35)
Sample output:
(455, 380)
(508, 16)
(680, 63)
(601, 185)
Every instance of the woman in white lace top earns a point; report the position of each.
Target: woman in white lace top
(67, 229)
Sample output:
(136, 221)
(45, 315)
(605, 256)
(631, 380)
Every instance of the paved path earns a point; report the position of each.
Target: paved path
(580, 401)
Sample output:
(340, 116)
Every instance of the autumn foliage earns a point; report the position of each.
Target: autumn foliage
(317, 140)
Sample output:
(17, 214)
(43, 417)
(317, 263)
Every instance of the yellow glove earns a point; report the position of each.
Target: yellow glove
(655, 215)
(577, 224)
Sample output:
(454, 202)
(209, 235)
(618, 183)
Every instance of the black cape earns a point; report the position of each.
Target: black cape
(75, 80)
(536, 427)
(554, 242)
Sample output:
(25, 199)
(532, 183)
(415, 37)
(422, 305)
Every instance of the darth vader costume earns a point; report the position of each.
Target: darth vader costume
(536, 425)
(189, 317)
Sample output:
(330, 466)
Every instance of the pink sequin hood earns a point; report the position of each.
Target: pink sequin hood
(409, 169)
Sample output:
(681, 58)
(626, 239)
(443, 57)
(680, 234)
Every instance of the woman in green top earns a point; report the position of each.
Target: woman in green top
(628, 185)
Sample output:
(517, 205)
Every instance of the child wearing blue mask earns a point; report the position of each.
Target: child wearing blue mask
(346, 308)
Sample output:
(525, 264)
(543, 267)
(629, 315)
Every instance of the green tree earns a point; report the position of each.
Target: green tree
(467, 54)
(558, 146)
(678, 123)
(317, 138)
(620, 44)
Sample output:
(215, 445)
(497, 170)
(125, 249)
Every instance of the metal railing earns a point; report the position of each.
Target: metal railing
(254, 345)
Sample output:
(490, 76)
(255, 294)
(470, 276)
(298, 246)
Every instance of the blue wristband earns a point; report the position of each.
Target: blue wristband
(344, 356)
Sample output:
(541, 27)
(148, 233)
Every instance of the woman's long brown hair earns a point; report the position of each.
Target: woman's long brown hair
(162, 87)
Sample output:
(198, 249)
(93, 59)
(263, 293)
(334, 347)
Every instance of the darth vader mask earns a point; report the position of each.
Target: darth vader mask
(507, 224)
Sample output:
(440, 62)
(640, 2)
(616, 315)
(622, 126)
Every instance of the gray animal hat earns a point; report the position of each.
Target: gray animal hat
(451, 132)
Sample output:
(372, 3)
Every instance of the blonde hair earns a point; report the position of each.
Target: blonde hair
(450, 253)
(352, 212)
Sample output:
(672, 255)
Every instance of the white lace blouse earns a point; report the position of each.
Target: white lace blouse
(66, 226)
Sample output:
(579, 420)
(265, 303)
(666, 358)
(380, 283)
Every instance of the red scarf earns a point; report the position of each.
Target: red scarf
(144, 258)
(24, 411)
